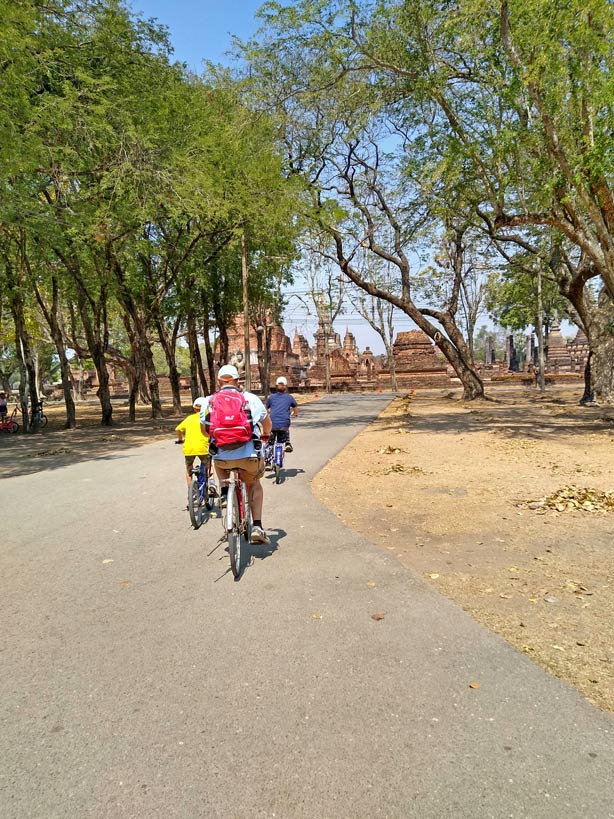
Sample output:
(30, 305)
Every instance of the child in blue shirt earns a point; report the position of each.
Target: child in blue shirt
(282, 406)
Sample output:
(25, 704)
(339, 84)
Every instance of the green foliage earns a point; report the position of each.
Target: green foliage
(126, 183)
(511, 299)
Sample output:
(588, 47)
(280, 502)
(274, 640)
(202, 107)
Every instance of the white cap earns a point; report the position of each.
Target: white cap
(198, 402)
(228, 371)
(282, 380)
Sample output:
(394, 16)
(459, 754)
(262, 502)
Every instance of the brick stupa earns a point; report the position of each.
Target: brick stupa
(416, 362)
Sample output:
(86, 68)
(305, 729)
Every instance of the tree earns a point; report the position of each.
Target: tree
(347, 141)
(377, 312)
(520, 103)
(511, 108)
(126, 184)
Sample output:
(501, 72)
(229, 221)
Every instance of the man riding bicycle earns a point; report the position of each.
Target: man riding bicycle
(281, 406)
(243, 454)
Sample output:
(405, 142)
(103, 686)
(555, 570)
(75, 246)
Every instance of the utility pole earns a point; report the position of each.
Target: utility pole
(246, 350)
(541, 359)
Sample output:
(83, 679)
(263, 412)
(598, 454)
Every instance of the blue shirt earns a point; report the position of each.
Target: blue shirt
(248, 450)
(280, 404)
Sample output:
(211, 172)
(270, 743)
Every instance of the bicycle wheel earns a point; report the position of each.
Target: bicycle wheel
(14, 427)
(42, 421)
(277, 473)
(233, 531)
(209, 499)
(247, 514)
(194, 503)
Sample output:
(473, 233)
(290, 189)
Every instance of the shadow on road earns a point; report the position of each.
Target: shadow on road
(260, 551)
(285, 473)
(54, 449)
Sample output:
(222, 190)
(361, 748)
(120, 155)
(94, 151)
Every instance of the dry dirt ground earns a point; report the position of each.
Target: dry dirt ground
(455, 491)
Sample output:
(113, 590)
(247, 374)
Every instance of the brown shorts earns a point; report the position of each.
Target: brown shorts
(249, 468)
(189, 460)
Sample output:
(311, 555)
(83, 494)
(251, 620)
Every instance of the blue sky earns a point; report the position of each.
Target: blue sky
(202, 29)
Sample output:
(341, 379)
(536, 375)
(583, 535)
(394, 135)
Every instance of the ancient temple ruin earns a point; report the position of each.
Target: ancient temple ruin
(418, 363)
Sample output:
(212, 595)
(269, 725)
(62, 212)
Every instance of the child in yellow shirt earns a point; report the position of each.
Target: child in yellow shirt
(195, 444)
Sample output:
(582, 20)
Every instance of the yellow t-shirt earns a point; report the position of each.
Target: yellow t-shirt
(194, 442)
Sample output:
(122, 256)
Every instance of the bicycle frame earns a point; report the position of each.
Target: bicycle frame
(198, 493)
(237, 521)
(278, 454)
(8, 423)
(274, 452)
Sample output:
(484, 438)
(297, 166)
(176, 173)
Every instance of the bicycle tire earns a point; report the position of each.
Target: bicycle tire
(208, 499)
(194, 506)
(247, 515)
(43, 421)
(233, 531)
(277, 473)
(14, 427)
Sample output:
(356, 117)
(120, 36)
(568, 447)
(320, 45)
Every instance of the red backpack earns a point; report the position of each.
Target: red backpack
(229, 419)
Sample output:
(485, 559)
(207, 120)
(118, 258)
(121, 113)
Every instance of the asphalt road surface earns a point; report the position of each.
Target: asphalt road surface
(138, 679)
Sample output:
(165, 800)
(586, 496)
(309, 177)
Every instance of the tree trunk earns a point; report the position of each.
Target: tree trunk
(97, 348)
(169, 345)
(103, 392)
(152, 377)
(142, 355)
(600, 331)
(27, 369)
(392, 369)
(69, 402)
(472, 383)
(52, 316)
(210, 356)
(588, 397)
(196, 364)
(223, 341)
(261, 358)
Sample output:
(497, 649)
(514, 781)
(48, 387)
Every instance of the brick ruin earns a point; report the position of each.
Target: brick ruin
(417, 362)
(562, 357)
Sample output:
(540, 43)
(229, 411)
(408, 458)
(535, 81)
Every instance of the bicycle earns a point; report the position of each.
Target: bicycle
(274, 453)
(201, 493)
(237, 520)
(8, 423)
(37, 417)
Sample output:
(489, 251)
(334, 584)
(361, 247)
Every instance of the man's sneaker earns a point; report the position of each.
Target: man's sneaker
(289, 447)
(212, 489)
(223, 500)
(259, 536)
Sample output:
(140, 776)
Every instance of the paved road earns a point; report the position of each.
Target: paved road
(156, 686)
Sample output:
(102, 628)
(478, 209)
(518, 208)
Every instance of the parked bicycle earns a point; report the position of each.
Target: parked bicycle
(274, 453)
(201, 493)
(37, 417)
(237, 520)
(8, 423)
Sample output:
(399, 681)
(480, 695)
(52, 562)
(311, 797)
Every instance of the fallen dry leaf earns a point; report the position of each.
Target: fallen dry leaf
(379, 615)
(474, 685)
